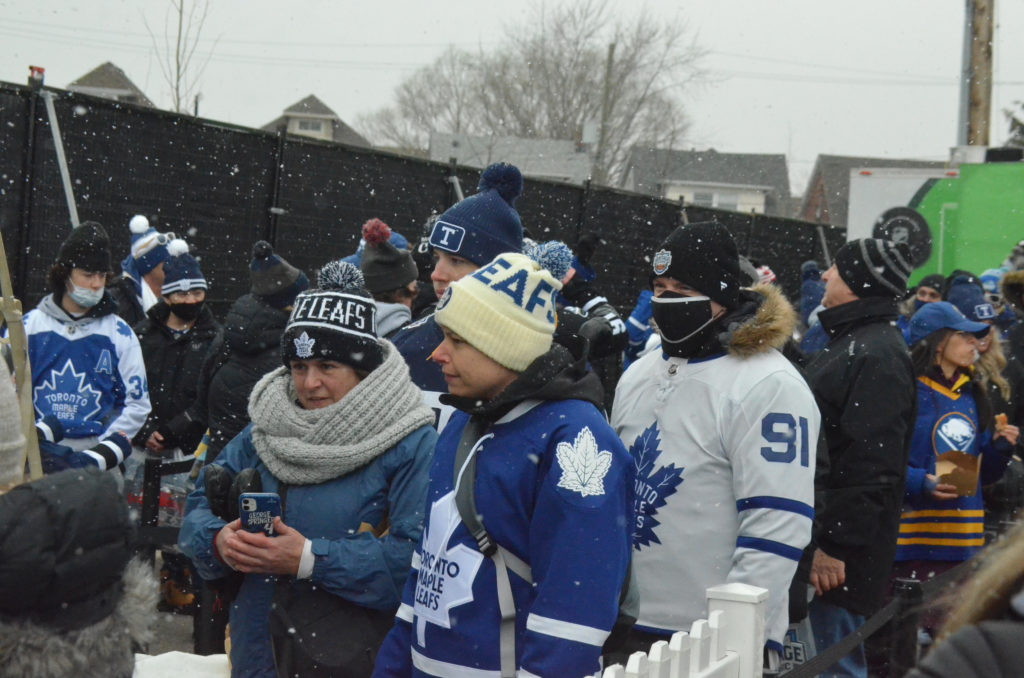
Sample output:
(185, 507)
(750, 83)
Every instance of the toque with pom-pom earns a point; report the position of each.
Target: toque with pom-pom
(486, 224)
(273, 279)
(149, 246)
(384, 266)
(336, 321)
(181, 270)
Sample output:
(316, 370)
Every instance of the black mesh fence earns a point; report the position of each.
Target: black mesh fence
(223, 187)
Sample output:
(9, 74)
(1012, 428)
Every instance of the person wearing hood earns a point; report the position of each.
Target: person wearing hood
(548, 478)
(390, 275)
(466, 236)
(142, 271)
(87, 368)
(176, 338)
(341, 434)
(723, 431)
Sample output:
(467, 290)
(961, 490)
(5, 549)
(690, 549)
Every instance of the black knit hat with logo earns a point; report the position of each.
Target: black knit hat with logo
(337, 321)
(703, 256)
(87, 248)
(874, 268)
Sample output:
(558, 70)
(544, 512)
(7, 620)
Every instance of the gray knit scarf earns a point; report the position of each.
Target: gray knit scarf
(306, 447)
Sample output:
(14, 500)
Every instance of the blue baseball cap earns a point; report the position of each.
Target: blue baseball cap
(942, 315)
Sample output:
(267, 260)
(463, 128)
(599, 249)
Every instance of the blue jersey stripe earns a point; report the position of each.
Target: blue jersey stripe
(944, 519)
(772, 645)
(769, 546)
(778, 503)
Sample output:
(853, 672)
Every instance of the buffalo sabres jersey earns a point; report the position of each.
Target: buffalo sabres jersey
(724, 450)
(87, 372)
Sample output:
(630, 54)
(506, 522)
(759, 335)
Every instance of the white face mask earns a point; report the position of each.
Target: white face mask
(84, 296)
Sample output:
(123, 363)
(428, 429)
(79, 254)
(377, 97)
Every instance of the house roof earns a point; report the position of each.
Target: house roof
(312, 107)
(834, 174)
(110, 81)
(651, 168)
(538, 158)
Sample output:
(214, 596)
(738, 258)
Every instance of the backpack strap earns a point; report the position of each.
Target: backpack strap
(473, 435)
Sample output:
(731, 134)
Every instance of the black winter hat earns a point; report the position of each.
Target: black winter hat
(87, 248)
(337, 321)
(384, 266)
(935, 281)
(874, 268)
(703, 256)
(272, 278)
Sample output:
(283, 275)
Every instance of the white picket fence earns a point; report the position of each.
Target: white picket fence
(728, 644)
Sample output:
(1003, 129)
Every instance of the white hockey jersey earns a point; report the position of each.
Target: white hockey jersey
(87, 372)
(724, 450)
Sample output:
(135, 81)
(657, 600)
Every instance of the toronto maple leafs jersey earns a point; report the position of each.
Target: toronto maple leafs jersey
(86, 372)
(724, 450)
(415, 343)
(554, 487)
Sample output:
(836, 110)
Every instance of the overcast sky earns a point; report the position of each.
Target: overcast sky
(798, 77)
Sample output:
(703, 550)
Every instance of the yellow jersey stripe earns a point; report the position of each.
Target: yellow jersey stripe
(936, 513)
(959, 528)
(928, 541)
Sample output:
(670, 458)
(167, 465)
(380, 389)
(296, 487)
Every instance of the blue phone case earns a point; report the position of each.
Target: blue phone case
(257, 511)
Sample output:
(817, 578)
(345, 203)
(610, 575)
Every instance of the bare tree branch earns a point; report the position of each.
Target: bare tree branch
(547, 80)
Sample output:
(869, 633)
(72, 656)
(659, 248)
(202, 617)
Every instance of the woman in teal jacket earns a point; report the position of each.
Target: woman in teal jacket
(342, 433)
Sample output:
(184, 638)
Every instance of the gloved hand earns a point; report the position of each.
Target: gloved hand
(586, 247)
(56, 458)
(223, 490)
(49, 429)
(111, 451)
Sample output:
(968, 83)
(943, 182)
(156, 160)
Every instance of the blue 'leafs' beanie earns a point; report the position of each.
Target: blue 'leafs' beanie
(486, 224)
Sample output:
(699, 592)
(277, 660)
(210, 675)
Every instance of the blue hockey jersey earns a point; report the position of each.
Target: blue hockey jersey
(87, 372)
(554, 487)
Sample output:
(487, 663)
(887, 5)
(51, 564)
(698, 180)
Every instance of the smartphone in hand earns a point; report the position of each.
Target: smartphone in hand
(257, 511)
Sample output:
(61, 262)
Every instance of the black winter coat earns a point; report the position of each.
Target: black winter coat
(174, 367)
(251, 348)
(989, 649)
(865, 388)
(122, 291)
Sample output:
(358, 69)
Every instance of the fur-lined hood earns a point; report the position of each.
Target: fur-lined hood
(1011, 286)
(763, 321)
(105, 649)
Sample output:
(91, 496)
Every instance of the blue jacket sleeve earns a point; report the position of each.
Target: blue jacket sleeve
(370, 570)
(995, 455)
(580, 542)
(200, 526)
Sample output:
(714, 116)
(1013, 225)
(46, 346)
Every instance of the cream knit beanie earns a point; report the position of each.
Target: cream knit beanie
(506, 310)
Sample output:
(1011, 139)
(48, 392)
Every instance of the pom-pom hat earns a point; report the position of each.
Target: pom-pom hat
(384, 266)
(149, 247)
(486, 224)
(272, 278)
(506, 310)
(336, 322)
(181, 270)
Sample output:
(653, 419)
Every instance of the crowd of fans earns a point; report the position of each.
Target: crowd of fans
(456, 496)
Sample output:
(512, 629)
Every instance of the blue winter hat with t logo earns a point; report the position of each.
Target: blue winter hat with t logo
(486, 224)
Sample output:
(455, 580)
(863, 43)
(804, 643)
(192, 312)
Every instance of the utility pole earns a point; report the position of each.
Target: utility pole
(976, 74)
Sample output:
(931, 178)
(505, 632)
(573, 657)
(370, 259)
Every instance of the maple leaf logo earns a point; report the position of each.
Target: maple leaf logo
(304, 345)
(123, 329)
(653, 486)
(583, 465)
(66, 395)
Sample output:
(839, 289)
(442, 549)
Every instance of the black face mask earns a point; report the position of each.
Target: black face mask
(187, 312)
(685, 323)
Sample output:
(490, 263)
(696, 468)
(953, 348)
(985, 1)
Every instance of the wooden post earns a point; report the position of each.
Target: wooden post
(11, 309)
